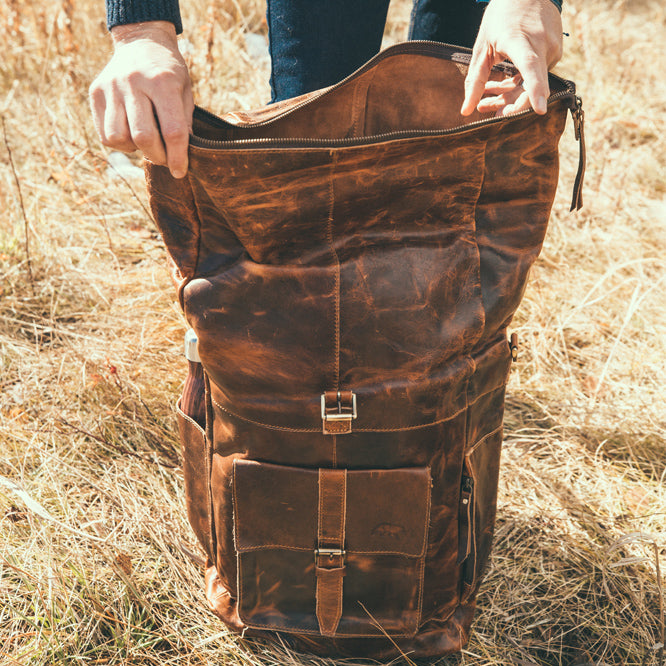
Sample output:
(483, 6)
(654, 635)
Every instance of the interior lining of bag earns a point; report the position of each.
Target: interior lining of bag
(380, 107)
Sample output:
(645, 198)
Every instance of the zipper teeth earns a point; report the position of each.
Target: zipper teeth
(425, 47)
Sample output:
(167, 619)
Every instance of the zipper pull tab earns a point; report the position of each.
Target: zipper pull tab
(513, 346)
(578, 116)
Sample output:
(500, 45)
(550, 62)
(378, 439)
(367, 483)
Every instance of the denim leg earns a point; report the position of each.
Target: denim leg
(315, 43)
(449, 21)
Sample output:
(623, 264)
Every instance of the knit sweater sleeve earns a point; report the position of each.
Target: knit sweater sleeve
(557, 3)
(121, 12)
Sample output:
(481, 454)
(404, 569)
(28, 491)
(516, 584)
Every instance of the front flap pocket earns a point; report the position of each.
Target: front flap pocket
(330, 551)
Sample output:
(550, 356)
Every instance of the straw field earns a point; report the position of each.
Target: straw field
(91, 494)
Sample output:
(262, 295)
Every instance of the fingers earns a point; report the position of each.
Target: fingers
(507, 84)
(475, 82)
(175, 130)
(159, 128)
(527, 32)
(116, 131)
(534, 70)
(497, 103)
(142, 100)
(521, 103)
(508, 96)
(531, 84)
(143, 129)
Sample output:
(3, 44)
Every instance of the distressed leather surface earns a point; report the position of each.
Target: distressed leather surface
(384, 267)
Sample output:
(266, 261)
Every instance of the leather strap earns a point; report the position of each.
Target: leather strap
(330, 555)
(579, 130)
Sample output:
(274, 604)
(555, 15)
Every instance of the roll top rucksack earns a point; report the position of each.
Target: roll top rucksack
(350, 261)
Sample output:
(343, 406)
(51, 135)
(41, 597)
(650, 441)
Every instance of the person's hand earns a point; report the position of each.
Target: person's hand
(527, 32)
(142, 99)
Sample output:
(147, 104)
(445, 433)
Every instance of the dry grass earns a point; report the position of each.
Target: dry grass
(91, 499)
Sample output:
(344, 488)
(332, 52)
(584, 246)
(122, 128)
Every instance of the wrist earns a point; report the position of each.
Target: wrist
(557, 3)
(161, 31)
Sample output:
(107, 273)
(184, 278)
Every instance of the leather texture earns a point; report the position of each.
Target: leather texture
(350, 261)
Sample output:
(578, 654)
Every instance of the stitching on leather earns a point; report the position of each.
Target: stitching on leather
(338, 608)
(209, 445)
(319, 508)
(199, 234)
(402, 429)
(234, 486)
(239, 587)
(355, 108)
(329, 238)
(181, 413)
(269, 546)
(415, 427)
(291, 630)
(482, 440)
(401, 553)
(343, 513)
(476, 240)
(361, 92)
(422, 558)
(426, 528)
(419, 608)
(264, 425)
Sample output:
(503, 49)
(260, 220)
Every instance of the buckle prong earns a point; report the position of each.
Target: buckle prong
(330, 553)
(340, 415)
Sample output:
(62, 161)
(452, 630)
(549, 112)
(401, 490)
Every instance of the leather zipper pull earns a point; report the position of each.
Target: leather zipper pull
(578, 116)
(513, 346)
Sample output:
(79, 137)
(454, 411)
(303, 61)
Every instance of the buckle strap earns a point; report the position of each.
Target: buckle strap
(330, 553)
(338, 408)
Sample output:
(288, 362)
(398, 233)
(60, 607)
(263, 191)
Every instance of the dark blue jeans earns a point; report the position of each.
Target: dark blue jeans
(315, 43)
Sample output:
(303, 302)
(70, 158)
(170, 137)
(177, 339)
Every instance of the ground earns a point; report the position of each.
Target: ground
(91, 495)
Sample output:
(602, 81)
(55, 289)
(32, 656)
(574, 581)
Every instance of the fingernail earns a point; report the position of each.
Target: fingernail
(541, 104)
(178, 173)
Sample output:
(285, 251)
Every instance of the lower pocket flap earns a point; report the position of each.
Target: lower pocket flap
(387, 511)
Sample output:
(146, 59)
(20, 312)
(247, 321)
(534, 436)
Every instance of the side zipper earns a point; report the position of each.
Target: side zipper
(578, 116)
(465, 519)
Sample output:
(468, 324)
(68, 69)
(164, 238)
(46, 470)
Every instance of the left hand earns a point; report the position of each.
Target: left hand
(527, 32)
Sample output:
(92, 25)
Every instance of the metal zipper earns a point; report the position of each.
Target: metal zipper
(465, 518)
(306, 142)
(416, 47)
(578, 116)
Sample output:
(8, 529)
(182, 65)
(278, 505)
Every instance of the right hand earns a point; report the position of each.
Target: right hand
(142, 100)
(527, 32)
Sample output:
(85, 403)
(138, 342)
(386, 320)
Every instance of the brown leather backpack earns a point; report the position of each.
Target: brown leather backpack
(350, 261)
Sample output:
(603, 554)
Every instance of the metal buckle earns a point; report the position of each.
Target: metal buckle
(330, 553)
(337, 422)
(340, 415)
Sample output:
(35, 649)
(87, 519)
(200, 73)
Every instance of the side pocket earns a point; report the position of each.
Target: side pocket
(478, 521)
(195, 472)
